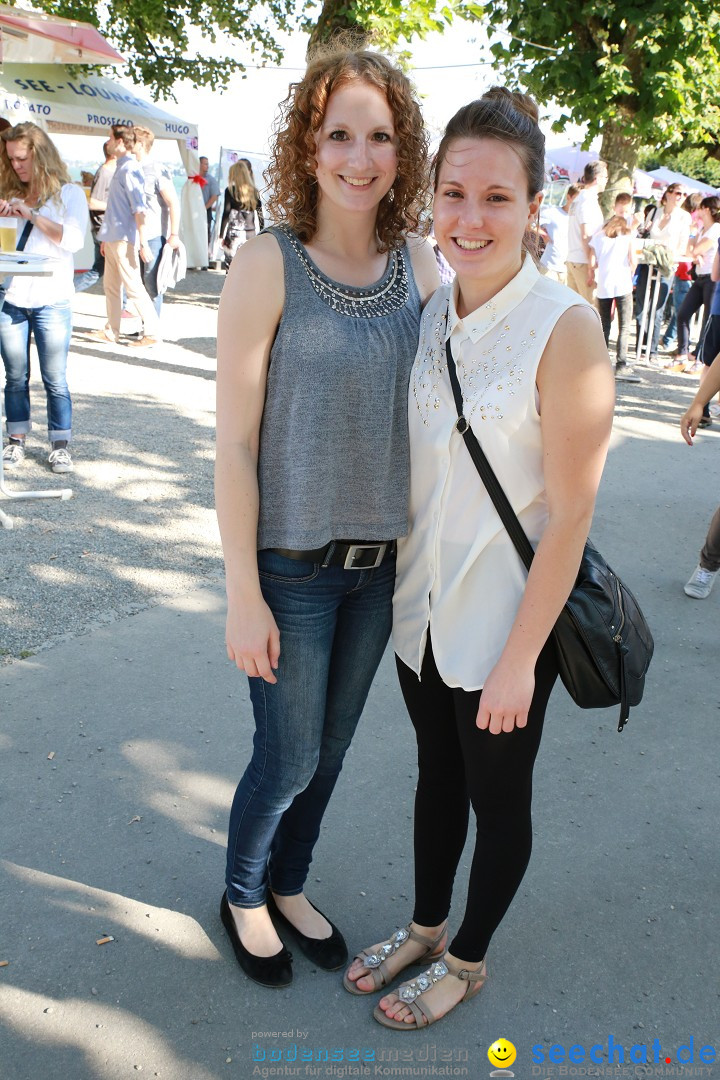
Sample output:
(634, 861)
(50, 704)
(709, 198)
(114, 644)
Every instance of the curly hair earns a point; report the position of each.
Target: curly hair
(291, 175)
(49, 171)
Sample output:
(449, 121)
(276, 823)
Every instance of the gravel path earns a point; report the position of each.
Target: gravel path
(140, 526)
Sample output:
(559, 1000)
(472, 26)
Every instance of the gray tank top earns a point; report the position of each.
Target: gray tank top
(334, 456)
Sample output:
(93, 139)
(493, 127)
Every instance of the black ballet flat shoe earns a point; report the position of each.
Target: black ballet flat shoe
(273, 971)
(330, 953)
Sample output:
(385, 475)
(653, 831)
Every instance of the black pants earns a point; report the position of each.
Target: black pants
(699, 296)
(460, 765)
(624, 314)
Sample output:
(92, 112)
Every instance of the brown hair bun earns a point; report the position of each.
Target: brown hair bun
(522, 102)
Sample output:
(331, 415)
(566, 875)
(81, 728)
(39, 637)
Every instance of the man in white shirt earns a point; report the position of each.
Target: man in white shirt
(586, 218)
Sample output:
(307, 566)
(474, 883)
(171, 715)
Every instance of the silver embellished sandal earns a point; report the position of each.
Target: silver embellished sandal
(375, 961)
(409, 993)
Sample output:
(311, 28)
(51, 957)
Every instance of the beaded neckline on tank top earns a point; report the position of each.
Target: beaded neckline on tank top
(383, 298)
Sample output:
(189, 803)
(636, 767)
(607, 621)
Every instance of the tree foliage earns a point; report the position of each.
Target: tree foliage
(635, 71)
(154, 35)
(693, 161)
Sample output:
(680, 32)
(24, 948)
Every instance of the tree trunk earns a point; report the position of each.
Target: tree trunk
(337, 16)
(620, 151)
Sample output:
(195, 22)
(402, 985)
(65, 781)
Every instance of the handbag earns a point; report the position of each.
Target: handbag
(602, 641)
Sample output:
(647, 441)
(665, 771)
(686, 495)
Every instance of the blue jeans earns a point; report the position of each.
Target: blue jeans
(334, 625)
(96, 271)
(148, 271)
(51, 326)
(680, 289)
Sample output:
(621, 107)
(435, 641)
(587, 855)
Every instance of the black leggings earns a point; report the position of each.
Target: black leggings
(458, 765)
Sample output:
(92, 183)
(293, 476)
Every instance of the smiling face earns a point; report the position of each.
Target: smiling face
(502, 1053)
(20, 156)
(481, 212)
(355, 149)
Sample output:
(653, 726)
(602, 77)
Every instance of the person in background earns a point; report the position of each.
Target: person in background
(682, 280)
(98, 204)
(242, 211)
(162, 212)
(585, 218)
(700, 294)
(614, 247)
(669, 225)
(709, 347)
(554, 231)
(624, 208)
(702, 579)
(122, 234)
(210, 193)
(52, 214)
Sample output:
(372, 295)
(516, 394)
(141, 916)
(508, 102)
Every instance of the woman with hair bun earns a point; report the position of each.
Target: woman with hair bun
(317, 332)
(471, 627)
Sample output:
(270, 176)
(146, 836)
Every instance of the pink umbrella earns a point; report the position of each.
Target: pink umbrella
(29, 37)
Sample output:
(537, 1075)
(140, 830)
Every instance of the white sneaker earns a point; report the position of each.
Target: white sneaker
(60, 460)
(700, 584)
(13, 454)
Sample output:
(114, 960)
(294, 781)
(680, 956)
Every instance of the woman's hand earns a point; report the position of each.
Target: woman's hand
(19, 209)
(253, 639)
(506, 697)
(12, 208)
(690, 421)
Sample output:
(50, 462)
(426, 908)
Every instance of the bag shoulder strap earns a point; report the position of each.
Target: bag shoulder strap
(494, 489)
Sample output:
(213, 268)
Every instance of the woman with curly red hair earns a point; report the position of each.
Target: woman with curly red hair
(317, 333)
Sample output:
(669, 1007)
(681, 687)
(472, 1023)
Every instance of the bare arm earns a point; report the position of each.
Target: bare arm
(576, 390)
(249, 313)
(425, 267)
(709, 387)
(169, 197)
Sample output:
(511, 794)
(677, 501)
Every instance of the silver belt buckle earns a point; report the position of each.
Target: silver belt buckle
(350, 557)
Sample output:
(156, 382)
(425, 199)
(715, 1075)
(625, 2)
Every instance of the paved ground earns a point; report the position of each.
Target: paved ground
(125, 729)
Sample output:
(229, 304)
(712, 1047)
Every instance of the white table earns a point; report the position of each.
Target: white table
(31, 265)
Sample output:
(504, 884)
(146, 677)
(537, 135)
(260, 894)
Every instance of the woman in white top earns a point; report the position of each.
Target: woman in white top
(614, 248)
(52, 214)
(667, 224)
(700, 294)
(538, 392)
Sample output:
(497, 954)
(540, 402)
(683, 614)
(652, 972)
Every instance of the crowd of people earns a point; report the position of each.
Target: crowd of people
(611, 260)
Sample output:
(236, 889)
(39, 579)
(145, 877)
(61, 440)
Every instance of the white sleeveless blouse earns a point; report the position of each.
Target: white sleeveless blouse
(457, 571)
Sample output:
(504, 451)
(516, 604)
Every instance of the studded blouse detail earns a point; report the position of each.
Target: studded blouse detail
(383, 298)
(458, 557)
(334, 454)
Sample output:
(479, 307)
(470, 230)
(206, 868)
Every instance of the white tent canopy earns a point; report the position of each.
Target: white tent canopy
(667, 176)
(52, 97)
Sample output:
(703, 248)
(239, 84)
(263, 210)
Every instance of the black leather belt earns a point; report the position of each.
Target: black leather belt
(350, 554)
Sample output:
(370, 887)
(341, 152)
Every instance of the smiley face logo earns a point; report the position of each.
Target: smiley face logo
(502, 1053)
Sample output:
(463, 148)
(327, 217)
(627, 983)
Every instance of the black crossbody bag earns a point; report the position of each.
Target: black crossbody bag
(602, 640)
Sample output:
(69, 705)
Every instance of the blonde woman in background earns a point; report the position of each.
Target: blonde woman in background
(241, 209)
(52, 213)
